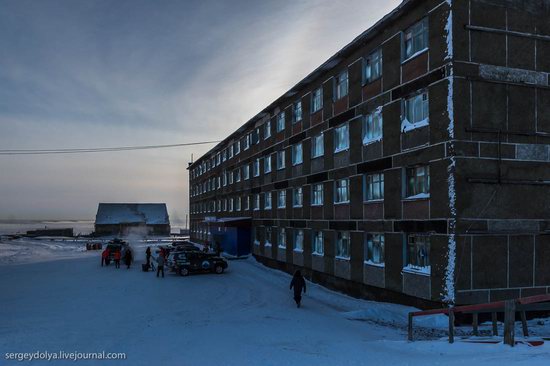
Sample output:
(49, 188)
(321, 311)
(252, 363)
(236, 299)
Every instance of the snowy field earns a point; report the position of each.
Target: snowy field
(243, 317)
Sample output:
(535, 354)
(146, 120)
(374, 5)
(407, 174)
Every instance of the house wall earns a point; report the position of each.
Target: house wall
(470, 227)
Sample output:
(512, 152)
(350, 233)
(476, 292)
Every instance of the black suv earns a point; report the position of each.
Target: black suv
(191, 262)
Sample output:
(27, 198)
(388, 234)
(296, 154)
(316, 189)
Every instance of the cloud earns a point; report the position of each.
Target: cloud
(104, 73)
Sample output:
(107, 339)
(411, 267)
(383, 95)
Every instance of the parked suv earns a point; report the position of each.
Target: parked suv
(114, 246)
(198, 262)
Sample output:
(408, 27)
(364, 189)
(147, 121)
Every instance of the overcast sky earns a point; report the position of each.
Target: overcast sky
(115, 73)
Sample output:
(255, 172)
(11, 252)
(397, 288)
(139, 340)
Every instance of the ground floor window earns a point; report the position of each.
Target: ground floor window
(374, 249)
(343, 244)
(268, 233)
(299, 240)
(318, 247)
(282, 238)
(418, 253)
(256, 236)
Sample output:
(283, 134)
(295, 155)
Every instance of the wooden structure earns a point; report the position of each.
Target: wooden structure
(509, 307)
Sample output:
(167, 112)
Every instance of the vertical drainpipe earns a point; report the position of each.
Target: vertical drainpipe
(449, 286)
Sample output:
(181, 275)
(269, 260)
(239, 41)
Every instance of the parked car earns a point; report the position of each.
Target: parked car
(115, 245)
(198, 262)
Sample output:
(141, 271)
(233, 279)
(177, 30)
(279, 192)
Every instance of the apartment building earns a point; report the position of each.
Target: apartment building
(412, 166)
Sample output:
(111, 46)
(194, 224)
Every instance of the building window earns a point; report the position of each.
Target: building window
(317, 146)
(246, 171)
(268, 233)
(237, 147)
(256, 167)
(280, 159)
(374, 249)
(256, 202)
(297, 112)
(256, 236)
(267, 164)
(318, 246)
(299, 240)
(374, 187)
(281, 121)
(281, 198)
(224, 155)
(418, 253)
(238, 204)
(342, 245)
(297, 197)
(317, 100)
(373, 67)
(341, 138)
(372, 127)
(317, 194)
(418, 182)
(230, 175)
(415, 112)
(247, 203)
(297, 156)
(416, 39)
(237, 175)
(341, 85)
(230, 148)
(267, 130)
(231, 205)
(224, 178)
(342, 191)
(246, 142)
(282, 238)
(268, 200)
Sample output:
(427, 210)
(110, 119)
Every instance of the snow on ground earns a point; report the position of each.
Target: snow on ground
(243, 317)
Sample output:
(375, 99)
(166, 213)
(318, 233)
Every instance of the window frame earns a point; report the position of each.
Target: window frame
(267, 130)
(369, 250)
(372, 181)
(423, 31)
(315, 139)
(296, 236)
(340, 253)
(295, 115)
(417, 194)
(315, 243)
(341, 80)
(336, 195)
(408, 104)
(297, 197)
(294, 149)
(281, 235)
(313, 194)
(337, 148)
(372, 122)
(281, 121)
(281, 192)
(281, 153)
(316, 93)
(414, 242)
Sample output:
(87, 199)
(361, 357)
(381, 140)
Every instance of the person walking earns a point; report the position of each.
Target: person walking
(299, 284)
(117, 258)
(128, 258)
(148, 257)
(160, 264)
(104, 256)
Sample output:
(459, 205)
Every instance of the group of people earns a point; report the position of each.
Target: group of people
(117, 256)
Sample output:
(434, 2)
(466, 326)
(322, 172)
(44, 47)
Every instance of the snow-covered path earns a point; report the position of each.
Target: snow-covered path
(244, 317)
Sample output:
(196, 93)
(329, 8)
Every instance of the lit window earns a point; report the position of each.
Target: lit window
(297, 156)
(281, 198)
(342, 191)
(268, 200)
(341, 85)
(280, 159)
(418, 182)
(416, 39)
(299, 240)
(317, 194)
(317, 100)
(374, 249)
(280, 121)
(317, 146)
(343, 245)
(282, 238)
(341, 138)
(415, 112)
(297, 112)
(372, 126)
(374, 187)
(418, 253)
(318, 246)
(297, 197)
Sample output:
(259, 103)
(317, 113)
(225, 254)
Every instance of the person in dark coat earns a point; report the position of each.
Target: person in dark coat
(128, 258)
(299, 285)
(160, 264)
(148, 256)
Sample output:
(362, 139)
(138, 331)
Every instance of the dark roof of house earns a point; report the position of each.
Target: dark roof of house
(132, 213)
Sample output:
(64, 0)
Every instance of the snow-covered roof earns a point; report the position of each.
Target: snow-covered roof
(132, 213)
